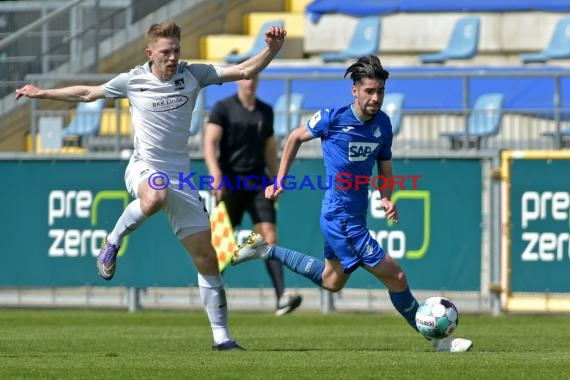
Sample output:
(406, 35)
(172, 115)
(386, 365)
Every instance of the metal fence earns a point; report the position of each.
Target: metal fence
(40, 36)
(134, 299)
(426, 130)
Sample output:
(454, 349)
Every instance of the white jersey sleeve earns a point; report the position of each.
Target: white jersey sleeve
(206, 74)
(116, 87)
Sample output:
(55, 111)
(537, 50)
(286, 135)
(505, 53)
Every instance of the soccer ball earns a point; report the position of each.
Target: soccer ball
(437, 318)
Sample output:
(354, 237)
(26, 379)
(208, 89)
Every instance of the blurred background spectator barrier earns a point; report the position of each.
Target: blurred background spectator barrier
(535, 105)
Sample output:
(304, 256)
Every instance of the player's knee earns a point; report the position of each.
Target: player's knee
(337, 289)
(153, 201)
(332, 287)
(205, 261)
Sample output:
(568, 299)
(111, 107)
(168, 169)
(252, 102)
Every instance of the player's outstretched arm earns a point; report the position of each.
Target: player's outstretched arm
(70, 94)
(274, 38)
(294, 141)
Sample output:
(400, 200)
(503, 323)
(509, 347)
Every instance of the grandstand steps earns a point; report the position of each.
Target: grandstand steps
(218, 46)
(296, 5)
(294, 22)
(204, 18)
(13, 128)
(127, 50)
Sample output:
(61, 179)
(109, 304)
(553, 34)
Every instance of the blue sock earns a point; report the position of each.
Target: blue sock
(406, 305)
(298, 262)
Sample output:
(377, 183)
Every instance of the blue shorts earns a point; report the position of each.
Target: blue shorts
(348, 241)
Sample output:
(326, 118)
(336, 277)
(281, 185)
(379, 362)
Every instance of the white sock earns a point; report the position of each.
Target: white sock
(213, 296)
(131, 218)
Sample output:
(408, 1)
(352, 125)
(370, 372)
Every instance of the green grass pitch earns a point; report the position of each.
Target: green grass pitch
(103, 344)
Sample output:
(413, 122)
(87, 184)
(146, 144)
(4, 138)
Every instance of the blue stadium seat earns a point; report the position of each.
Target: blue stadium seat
(558, 47)
(484, 121)
(258, 44)
(364, 41)
(280, 126)
(87, 119)
(392, 106)
(463, 44)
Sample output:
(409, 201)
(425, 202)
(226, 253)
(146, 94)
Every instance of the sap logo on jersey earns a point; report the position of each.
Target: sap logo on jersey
(359, 151)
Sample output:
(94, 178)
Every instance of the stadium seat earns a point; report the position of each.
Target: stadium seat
(463, 44)
(50, 128)
(41, 150)
(564, 136)
(86, 121)
(280, 126)
(558, 47)
(113, 121)
(294, 22)
(484, 121)
(258, 44)
(392, 106)
(364, 41)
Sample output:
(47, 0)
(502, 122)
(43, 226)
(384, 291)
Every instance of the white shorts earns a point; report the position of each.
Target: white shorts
(184, 207)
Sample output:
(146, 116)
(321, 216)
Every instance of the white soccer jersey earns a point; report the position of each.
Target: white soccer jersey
(162, 111)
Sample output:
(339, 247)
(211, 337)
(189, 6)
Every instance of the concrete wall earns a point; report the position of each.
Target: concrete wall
(403, 36)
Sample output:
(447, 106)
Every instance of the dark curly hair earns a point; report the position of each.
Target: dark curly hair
(367, 66)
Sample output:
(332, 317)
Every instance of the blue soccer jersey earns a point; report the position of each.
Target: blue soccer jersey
(350, 150)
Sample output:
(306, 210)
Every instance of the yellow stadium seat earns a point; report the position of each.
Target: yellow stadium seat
(297, 5)
(218, 46)
(294, 22)
(63, 150)
(29, 142)
(72, 150)
(108, 125)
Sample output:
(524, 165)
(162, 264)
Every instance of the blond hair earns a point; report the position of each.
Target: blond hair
(166, 29)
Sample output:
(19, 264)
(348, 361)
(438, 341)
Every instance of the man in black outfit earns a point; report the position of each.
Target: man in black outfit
(241, 128)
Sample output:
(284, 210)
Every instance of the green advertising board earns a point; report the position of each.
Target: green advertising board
(58, 212)
(57, 217)
(540, 224)
(438, 238)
